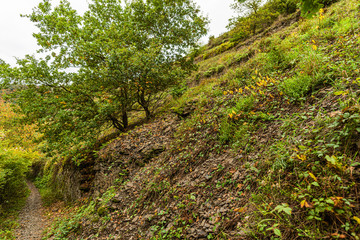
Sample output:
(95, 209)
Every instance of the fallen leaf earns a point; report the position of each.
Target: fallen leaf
(357, 220)
(313, 176)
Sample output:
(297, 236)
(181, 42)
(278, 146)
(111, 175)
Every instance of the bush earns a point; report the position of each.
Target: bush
(244, 104)
(284, 6)
(14, 164)
(48, 194)
(297, 87)
(225, 132)
(309, 7)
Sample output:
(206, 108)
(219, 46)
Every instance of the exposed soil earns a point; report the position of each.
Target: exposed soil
(32, 221)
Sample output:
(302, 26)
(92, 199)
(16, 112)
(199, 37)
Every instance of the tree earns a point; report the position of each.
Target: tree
(249, 10)
(116, 58)
(309, 7)
(254, 14)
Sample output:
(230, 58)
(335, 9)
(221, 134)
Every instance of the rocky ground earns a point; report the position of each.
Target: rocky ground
(32, 221)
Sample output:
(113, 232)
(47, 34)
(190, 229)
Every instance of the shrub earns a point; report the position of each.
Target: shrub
(277, 60)
(297, 87)
(178, 90)
(14, 164)
(225, 132)
(309, 7)
(245, 104)
(284, 6)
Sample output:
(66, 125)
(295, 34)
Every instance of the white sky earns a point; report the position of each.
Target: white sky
(16, 38)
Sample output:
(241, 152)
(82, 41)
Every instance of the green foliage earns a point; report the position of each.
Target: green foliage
(301, 169)
(101, 66)
(179, 90)
(284, 6)
(214, 70)
(309, 7)
(232, 130)
(14, 164)
(296, 165)
(17, 153)
(247, 5)
(219, 49)
(93, 210)
(44, 182)
(277, 60)
(297, 86)
(255, 15)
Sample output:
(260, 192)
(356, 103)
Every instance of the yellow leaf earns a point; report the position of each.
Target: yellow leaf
(301, 157)
(302, 204)
(314, 47)
(233, 112)
(239, 210)
(313, 176)
(357, 220)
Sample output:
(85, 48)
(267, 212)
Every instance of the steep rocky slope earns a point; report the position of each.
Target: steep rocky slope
(263, 146)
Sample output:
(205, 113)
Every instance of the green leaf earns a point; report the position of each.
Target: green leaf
(355, 164)
(277, 232)
(283, 208)
(316, 184)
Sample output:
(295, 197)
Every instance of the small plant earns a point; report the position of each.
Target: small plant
(214, 70)
(179, 90)
(297, 87)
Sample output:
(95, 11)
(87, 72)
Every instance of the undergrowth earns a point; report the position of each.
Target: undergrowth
(286, 108)
(306, 85)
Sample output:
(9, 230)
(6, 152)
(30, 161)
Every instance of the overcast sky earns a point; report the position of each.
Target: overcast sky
(16, 38)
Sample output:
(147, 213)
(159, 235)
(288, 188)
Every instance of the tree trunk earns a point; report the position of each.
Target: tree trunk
(125, 119)
(147, 112)
(145, 105)
(117, 124)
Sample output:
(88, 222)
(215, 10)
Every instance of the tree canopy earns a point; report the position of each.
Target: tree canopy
(98, 67)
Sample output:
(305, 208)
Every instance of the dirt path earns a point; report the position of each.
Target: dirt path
(31, 220)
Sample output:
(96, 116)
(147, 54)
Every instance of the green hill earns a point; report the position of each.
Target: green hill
(261, 142)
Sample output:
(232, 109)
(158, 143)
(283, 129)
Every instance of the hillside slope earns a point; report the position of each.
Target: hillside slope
(264, 145)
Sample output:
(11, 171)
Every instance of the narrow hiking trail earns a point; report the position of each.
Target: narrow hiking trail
(31, 219)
